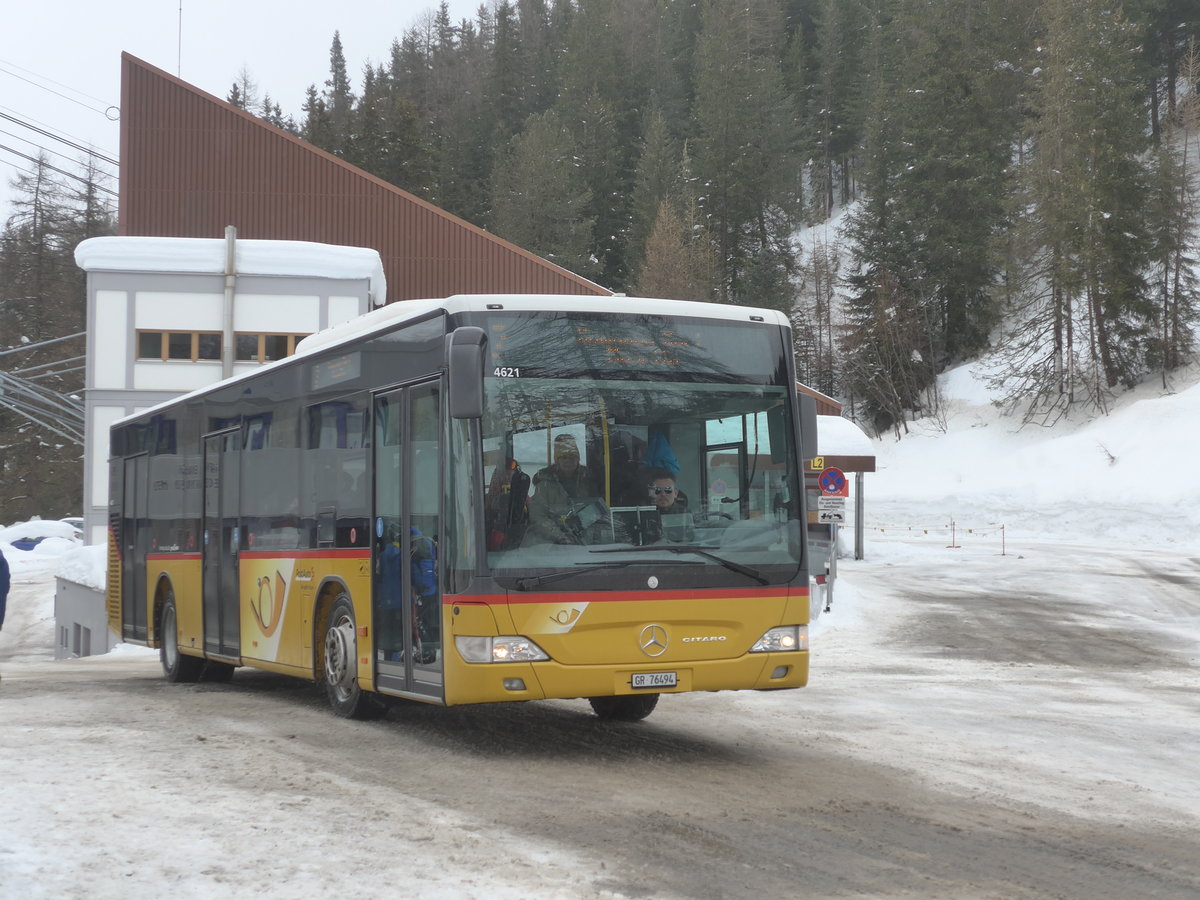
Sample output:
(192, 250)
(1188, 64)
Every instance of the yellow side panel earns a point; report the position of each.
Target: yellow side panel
(183, 574)
(278, 596)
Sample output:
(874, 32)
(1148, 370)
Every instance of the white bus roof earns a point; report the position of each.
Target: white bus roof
(385, 317)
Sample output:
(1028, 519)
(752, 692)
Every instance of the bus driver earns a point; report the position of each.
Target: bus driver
(555, 486)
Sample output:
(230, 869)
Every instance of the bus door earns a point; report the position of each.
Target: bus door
(407, 488)
(135, 541)
(222, 538)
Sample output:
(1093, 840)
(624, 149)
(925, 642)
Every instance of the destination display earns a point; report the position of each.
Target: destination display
(541, 346)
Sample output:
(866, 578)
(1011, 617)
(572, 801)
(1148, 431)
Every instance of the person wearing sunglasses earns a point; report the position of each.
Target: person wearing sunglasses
(664, 492)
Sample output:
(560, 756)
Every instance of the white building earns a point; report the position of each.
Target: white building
(170, 315)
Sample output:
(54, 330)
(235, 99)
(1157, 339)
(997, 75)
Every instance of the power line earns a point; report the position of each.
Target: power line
(102, 112)
(89, 151)
(80, 178)
(54, 129)
(50, 152)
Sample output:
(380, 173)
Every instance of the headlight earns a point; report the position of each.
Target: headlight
(785, 637)
(506, 648)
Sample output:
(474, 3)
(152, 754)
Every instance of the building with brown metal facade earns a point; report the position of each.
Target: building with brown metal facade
(192, 164)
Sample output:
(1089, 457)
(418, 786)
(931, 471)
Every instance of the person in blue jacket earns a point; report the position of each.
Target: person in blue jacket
(5, 581)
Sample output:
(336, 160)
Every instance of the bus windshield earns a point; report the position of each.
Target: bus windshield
(649, 451)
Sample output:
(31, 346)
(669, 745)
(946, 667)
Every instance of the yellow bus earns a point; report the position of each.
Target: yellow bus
(478, 499)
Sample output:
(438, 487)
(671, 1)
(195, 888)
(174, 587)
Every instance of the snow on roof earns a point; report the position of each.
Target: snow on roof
(302, 259)
(841, 437)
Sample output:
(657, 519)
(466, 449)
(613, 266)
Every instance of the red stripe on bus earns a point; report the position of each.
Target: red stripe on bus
(171, 556)
(627, 596)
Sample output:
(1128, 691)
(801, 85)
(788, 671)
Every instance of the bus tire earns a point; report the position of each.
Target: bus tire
(341, 665)
(177, 667)
(626, 708)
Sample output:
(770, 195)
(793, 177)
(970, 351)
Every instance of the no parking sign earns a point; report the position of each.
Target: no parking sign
(831, 505)
(833, 483)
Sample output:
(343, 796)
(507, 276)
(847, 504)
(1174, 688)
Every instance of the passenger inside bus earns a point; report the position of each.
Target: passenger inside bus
(505, 508)
(426, 598)
(664, 492)
(674, 520)
(555, 488)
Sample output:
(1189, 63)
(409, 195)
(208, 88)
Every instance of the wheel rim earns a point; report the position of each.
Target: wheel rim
(341, 668)
(170, 638)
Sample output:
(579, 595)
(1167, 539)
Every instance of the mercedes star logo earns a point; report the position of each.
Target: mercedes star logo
(653, 640)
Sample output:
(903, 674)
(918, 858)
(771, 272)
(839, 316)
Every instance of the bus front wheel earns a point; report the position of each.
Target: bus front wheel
(341, 665)
(626, 708)
(176, 666)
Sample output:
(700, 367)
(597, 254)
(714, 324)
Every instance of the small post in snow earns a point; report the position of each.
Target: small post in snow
(953, 545)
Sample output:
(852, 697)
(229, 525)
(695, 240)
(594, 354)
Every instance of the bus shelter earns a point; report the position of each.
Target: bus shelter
(834, 479)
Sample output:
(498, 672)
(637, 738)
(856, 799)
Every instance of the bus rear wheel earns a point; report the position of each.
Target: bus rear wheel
(626, 708)
(341, 665)
(176, 666)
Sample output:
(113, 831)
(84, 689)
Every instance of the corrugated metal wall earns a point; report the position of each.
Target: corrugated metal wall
(192, 164)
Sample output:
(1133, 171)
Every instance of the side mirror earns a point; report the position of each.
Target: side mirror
(808, 427)
(465, 348)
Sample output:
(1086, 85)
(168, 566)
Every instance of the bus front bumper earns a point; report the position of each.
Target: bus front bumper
(500, 682)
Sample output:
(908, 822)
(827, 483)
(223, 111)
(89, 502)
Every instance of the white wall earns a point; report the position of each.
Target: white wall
(177, 311)
(110, 339)
(343, 309)
(175, 375)
(276, 313)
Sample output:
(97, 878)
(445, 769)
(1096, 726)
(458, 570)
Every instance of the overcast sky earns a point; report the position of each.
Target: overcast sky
(60, 62)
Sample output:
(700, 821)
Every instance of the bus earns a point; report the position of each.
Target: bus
(375, 513)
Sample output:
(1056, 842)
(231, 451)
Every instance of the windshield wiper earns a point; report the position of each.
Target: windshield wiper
(699, 550)
(532, 581)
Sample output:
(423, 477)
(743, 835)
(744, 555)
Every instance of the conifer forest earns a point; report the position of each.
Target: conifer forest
(914, 182)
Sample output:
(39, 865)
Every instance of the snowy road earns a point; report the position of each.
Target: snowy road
(977, 726)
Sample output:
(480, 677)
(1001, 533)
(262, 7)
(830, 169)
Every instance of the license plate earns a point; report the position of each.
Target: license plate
(654, 679)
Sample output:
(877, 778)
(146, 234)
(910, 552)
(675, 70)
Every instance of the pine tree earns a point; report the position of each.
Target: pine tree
(815, 326)
(244, 92)
(539, 197)
(602, 161)
(943, 117)
(506, 84)
(1173, 208)
(272, 113)
(835, 107)
(42, 301)
(885, 373)
(658, 177)
(1088, 183)
(745, 149)
(339, 99)
(459, 131)
(676, 264)
(317, 127)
